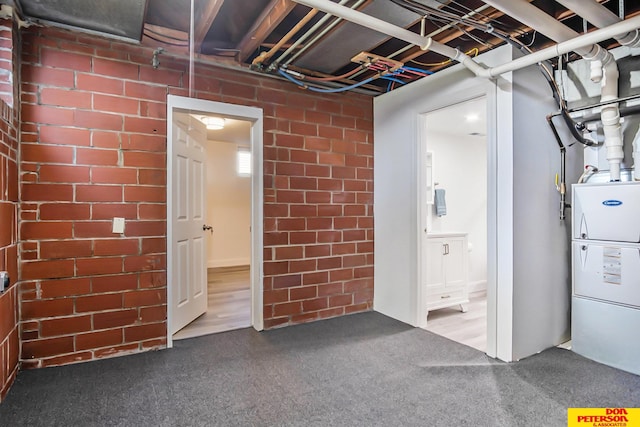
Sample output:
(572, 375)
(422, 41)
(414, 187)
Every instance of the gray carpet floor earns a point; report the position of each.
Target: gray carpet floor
(358, 370)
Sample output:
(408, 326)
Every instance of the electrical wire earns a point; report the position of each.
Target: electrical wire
(436, 64)
(323, 90)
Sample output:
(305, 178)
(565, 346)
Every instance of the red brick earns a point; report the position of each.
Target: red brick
(145, 332)
(116, 247)
(302, 293)
(289, 281)
(46, 153)
(115, 350)
(94, 156)
(46, 230)
(145, 125)
(98, 120)
(275, 296)
(92, 266)
(99, 339)
(315, 304)
(154, 245)
(65, 249)
(144, 159)
(47, 115)
(115, 319)
(152, 211)
(302, 266)
(152, 177)
(329, 263)
(317, 251)
(93, 83)
(65, 98)
(68, 174)
(340, 300)
(65, 288)
(98, 303)
(330, 289)
(344, 274)
(106, 175)
(47, 192)
(61, 59)
(144, 262)
(144, 194)
(47, 269)
(289, 252)
(145, 91)
(64, 326)
(110, 210)
(121, 282)
(98, 193)
(92, 229)
(287, 309)
(146, 228)
(124, 70)
(153, 314)
(46, 308)
(47, 347)
(153, 279)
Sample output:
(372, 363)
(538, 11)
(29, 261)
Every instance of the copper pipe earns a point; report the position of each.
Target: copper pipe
(266, 55)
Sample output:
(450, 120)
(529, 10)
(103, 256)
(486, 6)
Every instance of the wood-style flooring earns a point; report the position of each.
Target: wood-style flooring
(229, 303)
(468, 328)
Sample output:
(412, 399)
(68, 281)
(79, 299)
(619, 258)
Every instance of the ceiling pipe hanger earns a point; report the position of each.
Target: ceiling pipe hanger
(427, 43)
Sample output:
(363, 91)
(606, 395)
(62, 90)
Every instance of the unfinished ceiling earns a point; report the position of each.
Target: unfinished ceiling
(282, 37)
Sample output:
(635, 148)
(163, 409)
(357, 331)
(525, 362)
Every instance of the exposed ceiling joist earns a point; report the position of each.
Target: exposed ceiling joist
(203, 23)
(273, 14)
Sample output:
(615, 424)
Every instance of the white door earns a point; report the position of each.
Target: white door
(455, 267)
(187, 215)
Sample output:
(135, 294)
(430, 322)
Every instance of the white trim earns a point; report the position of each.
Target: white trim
(482, 89)
(477, 286)
(228, 262)
(254, 115)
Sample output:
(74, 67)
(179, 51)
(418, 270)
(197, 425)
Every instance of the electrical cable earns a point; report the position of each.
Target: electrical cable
(436, 64)
(323, 90)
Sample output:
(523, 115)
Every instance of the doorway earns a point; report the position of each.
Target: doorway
(455, 261)
(228, 222)
(234, 274)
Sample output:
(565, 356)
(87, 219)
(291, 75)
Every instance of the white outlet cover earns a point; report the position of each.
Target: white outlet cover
(118, 225)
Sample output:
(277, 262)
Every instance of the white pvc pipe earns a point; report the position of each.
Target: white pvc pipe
(636, 156)
(426, 43)
(601, 17)
(605, 70)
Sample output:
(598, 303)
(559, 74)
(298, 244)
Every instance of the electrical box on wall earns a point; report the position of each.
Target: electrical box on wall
(4, 281)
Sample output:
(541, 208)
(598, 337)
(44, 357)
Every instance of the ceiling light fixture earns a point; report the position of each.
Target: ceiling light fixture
(213, 123)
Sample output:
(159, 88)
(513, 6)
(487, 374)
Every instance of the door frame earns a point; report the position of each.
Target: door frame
(498, 315)
(239, 112)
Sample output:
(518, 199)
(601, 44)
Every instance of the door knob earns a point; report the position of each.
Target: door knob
(207, 227)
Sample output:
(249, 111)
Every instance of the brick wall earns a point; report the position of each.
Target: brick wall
(9, 346)
(94, 147)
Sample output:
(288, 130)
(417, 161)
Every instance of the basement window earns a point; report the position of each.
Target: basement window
(244, 161)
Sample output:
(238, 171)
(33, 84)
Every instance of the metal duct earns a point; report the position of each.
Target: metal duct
(121, 18)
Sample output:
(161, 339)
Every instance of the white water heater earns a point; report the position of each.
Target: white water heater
(606, 273)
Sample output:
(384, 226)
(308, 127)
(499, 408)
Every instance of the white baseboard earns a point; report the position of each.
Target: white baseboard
(229, 262)
(477, 286)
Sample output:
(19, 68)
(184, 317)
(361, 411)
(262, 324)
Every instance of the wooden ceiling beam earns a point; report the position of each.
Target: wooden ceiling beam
(268, 20)
(203, 23)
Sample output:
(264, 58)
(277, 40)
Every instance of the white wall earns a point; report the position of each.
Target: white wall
(228, 207)
(460, 168)
(400, 221)
(542, 243)
(528, 269)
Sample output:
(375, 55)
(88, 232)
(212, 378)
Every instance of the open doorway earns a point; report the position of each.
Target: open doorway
(455, 261)
(214, 217)
(228, 227)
